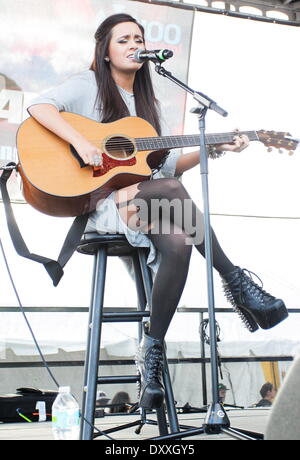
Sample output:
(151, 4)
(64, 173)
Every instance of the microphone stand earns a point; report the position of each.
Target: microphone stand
(216, 420)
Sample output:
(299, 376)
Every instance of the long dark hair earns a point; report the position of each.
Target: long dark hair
(109, 99)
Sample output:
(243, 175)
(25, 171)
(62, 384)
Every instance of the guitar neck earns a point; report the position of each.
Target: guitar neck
(189, 140)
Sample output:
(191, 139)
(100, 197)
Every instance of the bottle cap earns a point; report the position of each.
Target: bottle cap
(64, 389)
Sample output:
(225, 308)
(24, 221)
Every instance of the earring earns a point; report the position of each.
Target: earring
(106, 59)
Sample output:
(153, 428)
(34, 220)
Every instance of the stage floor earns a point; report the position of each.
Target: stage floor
(254, 420)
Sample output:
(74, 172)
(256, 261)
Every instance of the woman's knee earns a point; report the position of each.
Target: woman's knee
(172, 188)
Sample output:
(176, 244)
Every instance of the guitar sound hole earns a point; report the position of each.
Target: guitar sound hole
(119, 148)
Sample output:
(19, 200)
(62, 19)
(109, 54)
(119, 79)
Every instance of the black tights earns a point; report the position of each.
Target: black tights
(173, 235)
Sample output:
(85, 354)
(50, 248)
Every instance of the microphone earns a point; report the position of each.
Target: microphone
(152, 55)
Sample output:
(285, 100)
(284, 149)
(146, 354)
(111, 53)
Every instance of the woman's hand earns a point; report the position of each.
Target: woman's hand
(240, 142)
(89, 153)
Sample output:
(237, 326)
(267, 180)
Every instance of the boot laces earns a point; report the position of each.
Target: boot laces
(254, 288)
(153, 362)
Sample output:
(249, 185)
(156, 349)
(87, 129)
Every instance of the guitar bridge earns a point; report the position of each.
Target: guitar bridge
(109, 163)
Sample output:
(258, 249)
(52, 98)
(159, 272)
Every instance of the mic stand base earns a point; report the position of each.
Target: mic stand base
(216, 419)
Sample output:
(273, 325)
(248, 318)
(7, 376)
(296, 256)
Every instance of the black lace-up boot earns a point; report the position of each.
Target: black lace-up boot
(254, 305)
(149, 363)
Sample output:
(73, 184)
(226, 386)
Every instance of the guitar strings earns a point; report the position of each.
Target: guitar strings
(179, 136)
(186, 140)
(218, 136)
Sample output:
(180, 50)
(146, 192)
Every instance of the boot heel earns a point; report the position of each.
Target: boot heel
(246, 318)
(151, 401)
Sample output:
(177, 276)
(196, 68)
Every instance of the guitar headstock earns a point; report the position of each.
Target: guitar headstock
(279, 140)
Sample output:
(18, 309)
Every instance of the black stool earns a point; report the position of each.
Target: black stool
(102, 246)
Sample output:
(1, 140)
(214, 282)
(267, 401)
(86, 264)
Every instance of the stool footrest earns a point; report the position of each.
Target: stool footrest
(126, 316)
(119, 379)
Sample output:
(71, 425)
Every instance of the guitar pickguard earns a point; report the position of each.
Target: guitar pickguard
(109, 163)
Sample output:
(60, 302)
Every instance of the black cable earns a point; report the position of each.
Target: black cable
(25, 317)
(34, 338)
(204, 335)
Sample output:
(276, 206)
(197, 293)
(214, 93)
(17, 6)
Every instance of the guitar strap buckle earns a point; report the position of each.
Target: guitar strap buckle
(9, 167)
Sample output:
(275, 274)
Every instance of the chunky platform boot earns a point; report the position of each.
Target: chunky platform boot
(254, 305)
(149, 363)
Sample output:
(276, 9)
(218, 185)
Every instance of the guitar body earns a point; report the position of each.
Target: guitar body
(53, 181)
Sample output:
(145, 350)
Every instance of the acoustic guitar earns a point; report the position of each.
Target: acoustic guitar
(56, 182)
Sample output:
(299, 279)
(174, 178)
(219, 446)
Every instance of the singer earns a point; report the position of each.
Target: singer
(115, 86)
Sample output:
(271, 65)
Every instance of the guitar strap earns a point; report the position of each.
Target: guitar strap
(54, 268)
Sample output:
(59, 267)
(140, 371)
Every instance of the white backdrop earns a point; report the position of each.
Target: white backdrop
(249, 69)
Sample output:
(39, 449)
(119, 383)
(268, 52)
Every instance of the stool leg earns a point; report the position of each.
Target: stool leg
(140, 289)
(93, 346)
(169, 396)
(87, 353)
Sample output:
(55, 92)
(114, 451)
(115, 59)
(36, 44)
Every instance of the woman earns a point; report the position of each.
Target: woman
(117, 86)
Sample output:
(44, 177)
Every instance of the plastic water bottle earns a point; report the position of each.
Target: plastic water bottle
(65, 416)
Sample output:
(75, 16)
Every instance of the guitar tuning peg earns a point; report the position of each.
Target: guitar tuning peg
(269, 149)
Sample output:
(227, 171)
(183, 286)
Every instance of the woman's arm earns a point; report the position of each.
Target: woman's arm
(189, 160)
(48, 116)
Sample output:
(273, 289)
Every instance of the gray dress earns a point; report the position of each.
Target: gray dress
(78, 95)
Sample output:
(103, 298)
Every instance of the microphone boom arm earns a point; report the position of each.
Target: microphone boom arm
(202, 99)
